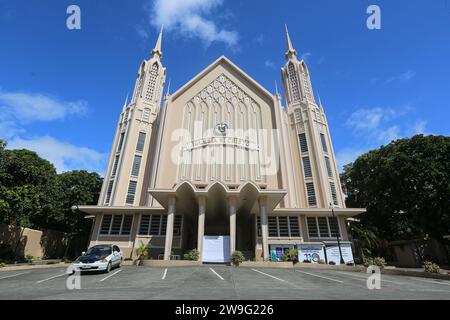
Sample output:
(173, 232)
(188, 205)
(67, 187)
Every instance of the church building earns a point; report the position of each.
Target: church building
(221, 165)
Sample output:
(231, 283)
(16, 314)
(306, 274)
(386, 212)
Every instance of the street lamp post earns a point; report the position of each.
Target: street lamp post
(74, 209)
(337, 235)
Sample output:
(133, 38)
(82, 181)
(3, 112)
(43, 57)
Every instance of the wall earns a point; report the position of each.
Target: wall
(39, 244)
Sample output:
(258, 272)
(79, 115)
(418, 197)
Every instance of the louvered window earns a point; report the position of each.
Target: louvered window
(324, 142)
(294, 227)
(106, 224)
(307, 167)
(152, 82)
(122, 136)
(109, 191)
(136, 166)
(177, 225)
(328, 165)
(116, 163)
(145, 224)
(334, 226)
(294, 82)
(312, 227)
(155, 226)
(333, 193)
(126, 225)
(303, 142)
(141, 141)
(311, 194)
(283, 227)
(131, 192)
(273, 227)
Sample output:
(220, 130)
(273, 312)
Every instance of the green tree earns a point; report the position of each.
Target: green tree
(405, 187)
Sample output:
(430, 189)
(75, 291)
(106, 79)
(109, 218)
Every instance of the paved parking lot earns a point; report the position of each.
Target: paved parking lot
(215, 282)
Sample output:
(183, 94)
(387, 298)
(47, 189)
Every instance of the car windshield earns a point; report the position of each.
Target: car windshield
(99, 251)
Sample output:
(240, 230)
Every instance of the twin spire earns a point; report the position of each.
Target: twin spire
(291, 52)
(158, 46)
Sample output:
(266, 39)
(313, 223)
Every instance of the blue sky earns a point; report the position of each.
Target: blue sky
(61, 91)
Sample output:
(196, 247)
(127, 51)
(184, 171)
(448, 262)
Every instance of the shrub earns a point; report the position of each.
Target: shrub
(291, 255)
(142, 250)
(2, 265)
(237, 258)
(29, 257)
(377, 261)
(332, 263)
(321, 261)
(192, 255)
(431, 267)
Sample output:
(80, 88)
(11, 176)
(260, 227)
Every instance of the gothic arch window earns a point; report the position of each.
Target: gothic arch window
(151, 86)
(294, 82)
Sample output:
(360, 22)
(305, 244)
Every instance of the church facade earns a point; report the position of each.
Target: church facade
(221, 165)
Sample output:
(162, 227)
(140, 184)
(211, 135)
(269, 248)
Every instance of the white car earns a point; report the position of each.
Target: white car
(101, 257)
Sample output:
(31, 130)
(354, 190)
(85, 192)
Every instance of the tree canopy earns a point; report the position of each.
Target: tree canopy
(33, 195)
(405, 187)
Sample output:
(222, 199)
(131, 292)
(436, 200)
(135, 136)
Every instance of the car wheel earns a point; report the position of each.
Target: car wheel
(108, 268)
(120, 263)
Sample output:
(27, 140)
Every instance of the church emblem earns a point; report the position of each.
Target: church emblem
(221, 129)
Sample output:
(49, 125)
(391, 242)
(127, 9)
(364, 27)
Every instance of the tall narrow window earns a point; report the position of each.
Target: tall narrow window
(273, 228)
(294, 227)
(152, 82)
(116, 163)
(334, 226)
(126, 225)
(122, 136)
(106, 224)
(303, 143)
(155, 225)
(131, 192)
(328, 164)
(141, 141)
(116, 224)
(109, 191)
(136, 166)
(294, 82)
(307, 167)
(311, 194)
(334, 193)
(324, 142)
(145, 225)
(312, 227)
(283, 226)
(323, 227)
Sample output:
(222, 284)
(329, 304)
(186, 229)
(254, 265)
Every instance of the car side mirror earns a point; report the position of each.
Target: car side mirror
(83, 253)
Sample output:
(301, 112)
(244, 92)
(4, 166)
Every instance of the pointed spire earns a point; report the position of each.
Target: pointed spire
(126, 101)
(168, 89)
(158, 46)
(290, 48)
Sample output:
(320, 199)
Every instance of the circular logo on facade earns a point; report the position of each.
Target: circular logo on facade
(221, 129)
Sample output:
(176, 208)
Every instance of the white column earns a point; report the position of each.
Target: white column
(201, 224)
(232, 208)
(264, 226)
(169, 228)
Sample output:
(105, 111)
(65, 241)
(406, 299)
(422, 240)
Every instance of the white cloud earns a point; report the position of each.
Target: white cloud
(403, 77)
(346, 156)
(190, 18)
(385, 136)
(28, 107)
(63, 155)
(269, 64)
(305, 56)
(371, 118)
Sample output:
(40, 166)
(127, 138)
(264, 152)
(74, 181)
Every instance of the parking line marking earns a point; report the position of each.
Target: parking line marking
(111, 275)
(315, 275)
(164, 275)
(364, 278)
(51, 278)
(14, 275)
(269, 275)
(216, 273)
(432, 281)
